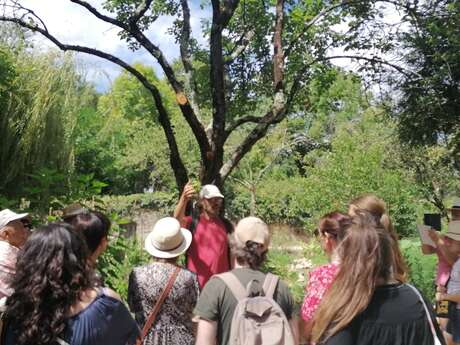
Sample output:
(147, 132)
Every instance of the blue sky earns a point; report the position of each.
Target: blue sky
(73, 24)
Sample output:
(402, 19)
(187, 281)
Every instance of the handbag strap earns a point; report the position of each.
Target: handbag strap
(156, 308)
(428, 315)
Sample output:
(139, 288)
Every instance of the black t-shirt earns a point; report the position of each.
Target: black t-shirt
(394, 316)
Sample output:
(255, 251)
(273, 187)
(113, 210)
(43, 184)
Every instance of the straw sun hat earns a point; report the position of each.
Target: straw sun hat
(167, 239)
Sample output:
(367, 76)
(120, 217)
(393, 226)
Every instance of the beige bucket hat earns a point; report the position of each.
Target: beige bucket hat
(167, 239)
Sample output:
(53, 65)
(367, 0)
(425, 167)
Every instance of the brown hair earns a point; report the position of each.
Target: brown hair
(378, 209)
(366, 256)
(334, 224)
(251, 254)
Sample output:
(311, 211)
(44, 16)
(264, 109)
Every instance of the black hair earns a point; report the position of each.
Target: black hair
(94, 226)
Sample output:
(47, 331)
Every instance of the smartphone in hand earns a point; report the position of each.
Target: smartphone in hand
(433, 220)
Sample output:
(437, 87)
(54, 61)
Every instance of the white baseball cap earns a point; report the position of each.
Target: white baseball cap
(7, 216)
(167, 239)
(209, 191)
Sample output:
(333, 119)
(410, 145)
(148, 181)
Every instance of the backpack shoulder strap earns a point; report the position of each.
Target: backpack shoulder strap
(234, 284)
(270, 283)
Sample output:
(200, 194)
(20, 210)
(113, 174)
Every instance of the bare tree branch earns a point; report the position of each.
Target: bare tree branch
(278, 54)
(29, 14)
(241, 121)
(278, 110)
(274, 116)
(228, 11)
(182, 100)
(312, 22)
(373, 59)
(140, 11)
(99, 15)
(240, 47)
(186, 59)
(175, 159)
(216, 155)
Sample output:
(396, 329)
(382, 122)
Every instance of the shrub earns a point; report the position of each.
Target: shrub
(422, 268)
(125, 205)
(121, 256)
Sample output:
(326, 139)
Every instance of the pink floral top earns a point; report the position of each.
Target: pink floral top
(320, 280)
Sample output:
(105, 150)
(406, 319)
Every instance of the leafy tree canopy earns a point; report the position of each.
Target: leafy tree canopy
(429, 107)
(254, 71)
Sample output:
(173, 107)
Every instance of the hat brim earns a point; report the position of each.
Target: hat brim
(214, 196)
(19, 216)
(452, 236)
(163, 254)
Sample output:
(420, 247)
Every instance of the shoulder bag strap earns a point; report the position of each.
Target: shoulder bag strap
(428, 315)
(234, 284)
(270, 283)
(156, 308)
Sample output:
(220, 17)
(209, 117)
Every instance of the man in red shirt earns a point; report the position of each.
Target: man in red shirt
(208, 254)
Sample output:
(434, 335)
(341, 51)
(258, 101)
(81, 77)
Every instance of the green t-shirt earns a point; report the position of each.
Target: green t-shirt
(217, 303)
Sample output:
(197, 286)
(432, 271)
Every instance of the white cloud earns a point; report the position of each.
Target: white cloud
(73, 24)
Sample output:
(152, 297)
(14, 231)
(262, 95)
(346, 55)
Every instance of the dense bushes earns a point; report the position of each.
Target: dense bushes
(361, 160)
(422, 268)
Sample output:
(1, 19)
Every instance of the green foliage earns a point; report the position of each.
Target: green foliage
(125, 205)
(422, 268)
(433, 169)
(291, 256)
(430, 104)
(277, 263)
(49, 191)
(354, 151)
(122, 142)
(361, 162)
(121, 256)
(42, 95)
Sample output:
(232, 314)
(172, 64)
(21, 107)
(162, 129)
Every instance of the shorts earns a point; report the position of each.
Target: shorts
(453, 326)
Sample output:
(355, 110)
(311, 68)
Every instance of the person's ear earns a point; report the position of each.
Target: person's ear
(103, 245)
(5, 234)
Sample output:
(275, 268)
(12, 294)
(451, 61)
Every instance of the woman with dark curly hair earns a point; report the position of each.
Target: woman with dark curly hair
(54, 300)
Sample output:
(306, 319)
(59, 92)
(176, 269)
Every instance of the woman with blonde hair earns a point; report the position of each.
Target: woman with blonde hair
(366, 304)
(378, 209)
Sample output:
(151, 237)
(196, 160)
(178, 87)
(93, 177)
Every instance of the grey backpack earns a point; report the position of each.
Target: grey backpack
(257, 320)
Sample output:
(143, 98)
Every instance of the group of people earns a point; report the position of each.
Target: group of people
(55, 296)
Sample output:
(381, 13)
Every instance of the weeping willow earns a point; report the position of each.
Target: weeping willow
(41, 99)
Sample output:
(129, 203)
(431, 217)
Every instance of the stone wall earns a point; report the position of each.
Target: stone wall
(142, 224)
